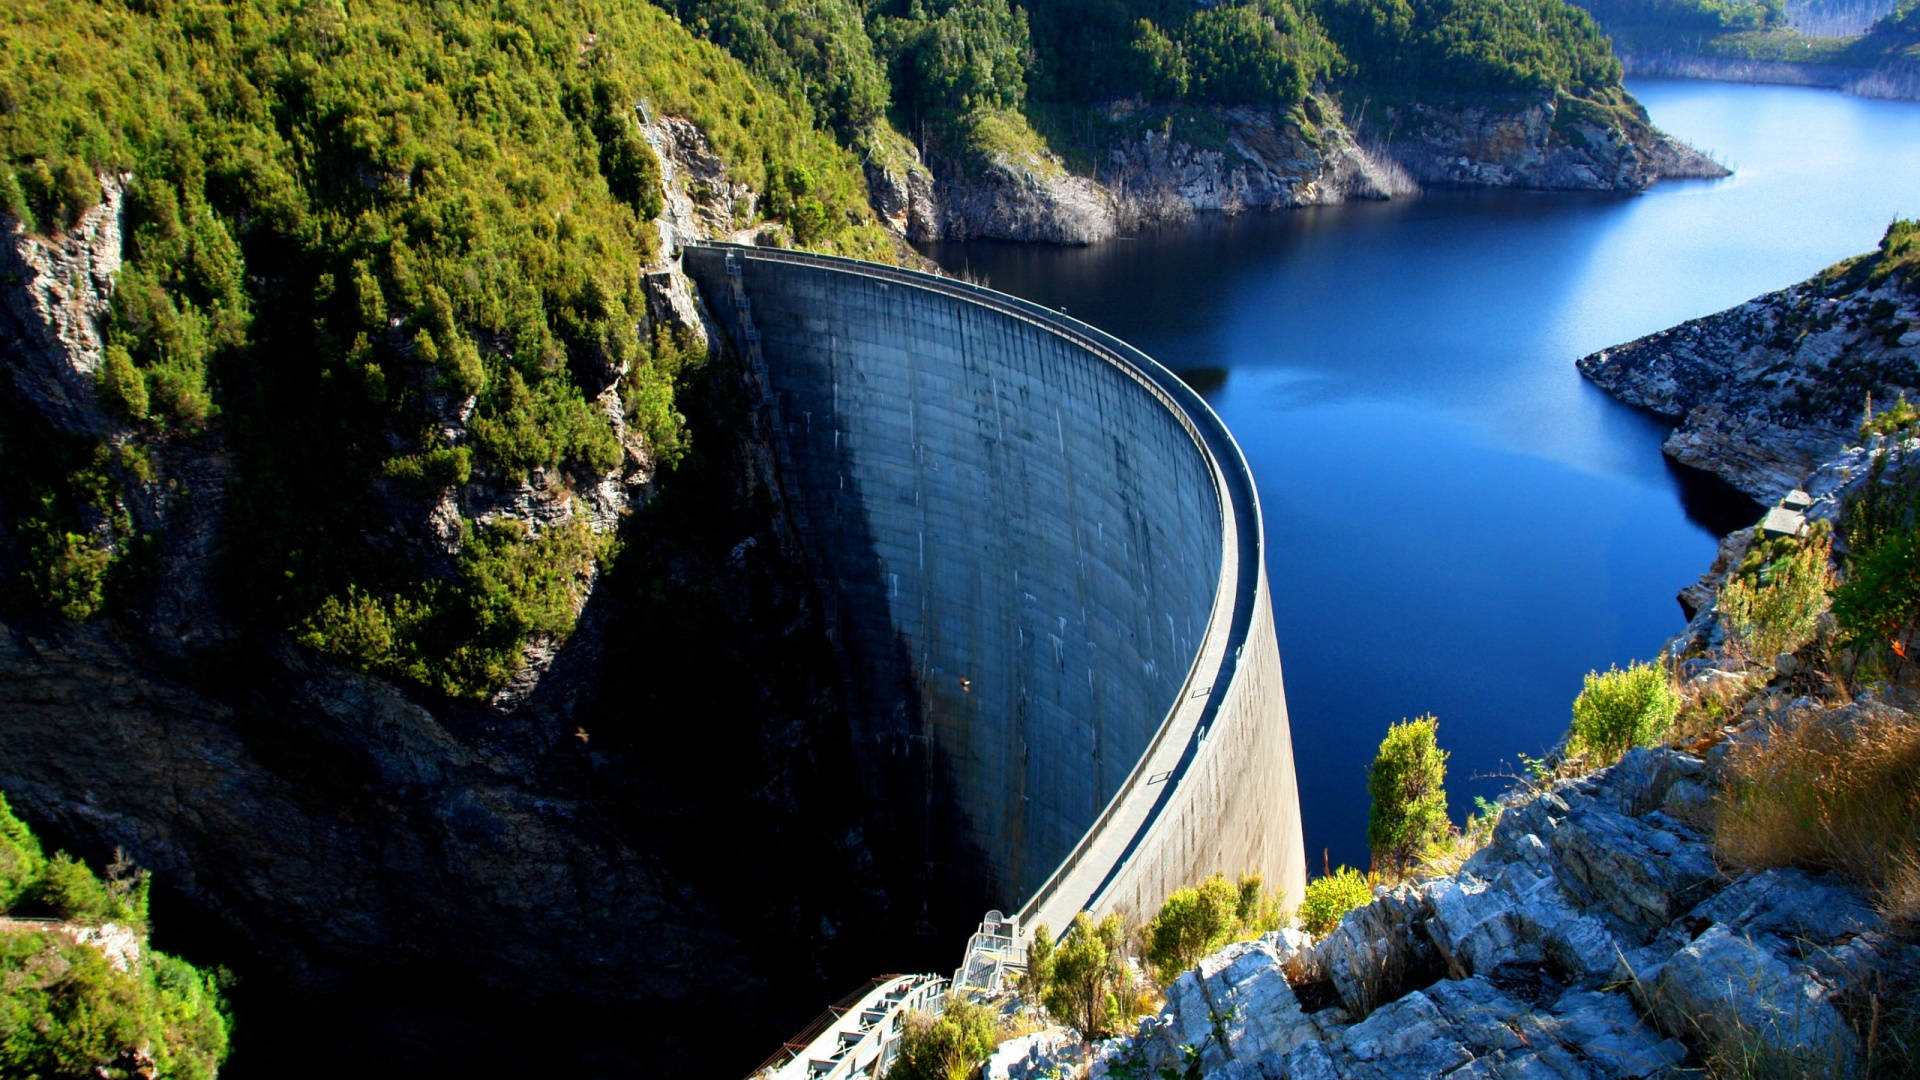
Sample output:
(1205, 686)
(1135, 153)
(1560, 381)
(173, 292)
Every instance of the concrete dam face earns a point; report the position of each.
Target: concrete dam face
(1042, 559)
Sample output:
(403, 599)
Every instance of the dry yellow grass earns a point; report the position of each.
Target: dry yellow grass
(1841, 796)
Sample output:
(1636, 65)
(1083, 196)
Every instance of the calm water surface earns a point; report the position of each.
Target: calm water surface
(1456, 522)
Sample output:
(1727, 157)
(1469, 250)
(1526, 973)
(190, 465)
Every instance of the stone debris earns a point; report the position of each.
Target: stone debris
(1051, 1052)
(1594, 937)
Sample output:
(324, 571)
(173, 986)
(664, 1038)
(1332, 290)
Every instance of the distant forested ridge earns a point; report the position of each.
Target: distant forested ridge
(942, 62)
(1869, 46)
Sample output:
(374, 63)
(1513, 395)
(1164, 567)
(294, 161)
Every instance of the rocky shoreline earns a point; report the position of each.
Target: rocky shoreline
(1263, 161)
(1892, 81)
(1766, 392)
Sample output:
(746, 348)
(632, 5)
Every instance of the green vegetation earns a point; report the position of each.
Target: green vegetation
(1772, 603)
(337, 231)
(1619, 710)
(949, 1046)
(941, 69)
(1406, 782)
(66, 1009)
(1329, 898)
(1199, 919)
(1084, 980)
(1877, 605)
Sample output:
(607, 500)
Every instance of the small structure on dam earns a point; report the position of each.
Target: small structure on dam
(1043, 562)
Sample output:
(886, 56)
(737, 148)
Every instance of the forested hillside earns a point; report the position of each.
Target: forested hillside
(950, 63)
(376, 253)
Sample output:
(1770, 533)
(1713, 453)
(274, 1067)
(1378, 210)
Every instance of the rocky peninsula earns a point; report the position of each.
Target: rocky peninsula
(1147, 169)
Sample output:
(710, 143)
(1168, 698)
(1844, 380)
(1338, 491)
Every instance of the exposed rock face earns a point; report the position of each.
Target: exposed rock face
(1596, 908)
(1263, 160)
(1035, 201)
(54, 309)
(1261, 163)
(1533, 146)
(1766, 391)
(899, 185)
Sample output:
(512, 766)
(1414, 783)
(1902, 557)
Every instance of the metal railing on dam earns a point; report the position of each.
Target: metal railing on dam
(1208, 781)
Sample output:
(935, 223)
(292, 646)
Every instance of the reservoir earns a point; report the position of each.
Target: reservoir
(1457, 523)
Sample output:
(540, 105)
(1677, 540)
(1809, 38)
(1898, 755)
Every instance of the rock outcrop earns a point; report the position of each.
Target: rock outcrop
(1257, 159)
(1767, 391)
(1595, 936)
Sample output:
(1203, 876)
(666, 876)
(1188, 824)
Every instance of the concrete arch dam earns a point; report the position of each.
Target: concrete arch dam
(1042, 558)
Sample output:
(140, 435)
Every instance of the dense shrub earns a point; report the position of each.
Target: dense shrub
(1877, 607)
(1196, 920)
(1773, 603)
(1406, 782)
(65, 1009)
(21, 862)
(1088, 974)
(1619, 710)
(1329, 898)
(949, 1046)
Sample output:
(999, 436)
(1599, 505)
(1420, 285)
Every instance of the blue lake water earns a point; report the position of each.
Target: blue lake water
(1456, 522)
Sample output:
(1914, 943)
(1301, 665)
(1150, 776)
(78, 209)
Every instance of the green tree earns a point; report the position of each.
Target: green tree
(1039, 976)
(1619, 710)
(1088, 968)
(1407, 785)
(1191, 923)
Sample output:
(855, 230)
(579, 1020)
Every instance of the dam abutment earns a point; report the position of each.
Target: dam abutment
(1044, 556)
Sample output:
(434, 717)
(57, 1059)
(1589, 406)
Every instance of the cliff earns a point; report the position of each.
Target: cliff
(1153, 164)
(1764, 392)
(331, 817)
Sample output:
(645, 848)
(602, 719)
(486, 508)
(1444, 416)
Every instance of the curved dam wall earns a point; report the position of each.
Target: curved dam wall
(1042, 558)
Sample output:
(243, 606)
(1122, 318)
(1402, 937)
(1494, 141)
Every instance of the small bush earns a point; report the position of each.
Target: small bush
(70, 891)
(1406, 782)
(1331, 897)
(1837, 797)
(1195, 921)
(122, 388)
(1774, 603)
(1039, 976)
(1878, 606)
(948, 1046)
(1619, 709)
